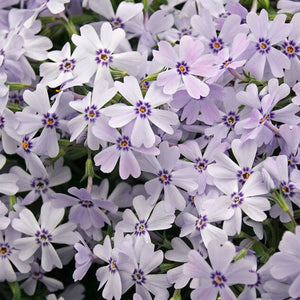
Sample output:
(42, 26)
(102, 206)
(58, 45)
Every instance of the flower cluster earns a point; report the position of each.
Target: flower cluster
(149, 150)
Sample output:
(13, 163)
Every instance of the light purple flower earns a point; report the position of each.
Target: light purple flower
(43, 234)
(168, 177)
(35, 275)
(10, 255)
(85, 211)
(60, 70)
(149, 218)
(221, 274)
(203, 24)
(199, 162)
(184, 67)
(247, 199)
(135, 266)
(286, 263)
(83, 259)
(142, 111)
(124, 13)
(108, 275)
(265, 35)
(202, 225)
(227, 169)
(39, 114)
(96, 55)
(121, 149)
(90, 111)
(41, 180)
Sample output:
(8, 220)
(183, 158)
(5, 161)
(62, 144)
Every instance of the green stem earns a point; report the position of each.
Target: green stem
(12, 201)
(293, 221)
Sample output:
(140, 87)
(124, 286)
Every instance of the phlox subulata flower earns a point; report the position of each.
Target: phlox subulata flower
(184, 65)
(41, 235)
(141, 112)
(95, 55)
(217, 278)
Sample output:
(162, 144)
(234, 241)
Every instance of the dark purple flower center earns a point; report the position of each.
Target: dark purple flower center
(26, 144)
(43, 237)
(266, 117)
(104, 57)
(200, 164)
(182, 68)
(287, 189)
(183, 32)
(141, 227)
(292, 160)
(263, 46)
(236, 199)
(216, 44)
(40, 184)
(116, 23)
(50, 120)
(226, 63)
(112, 265)
(123, 143)
(16, 99)
(67, 65)
(91, 113)
(290, 49)
(164, 177)
(224, 15)
(86, 203)
(231, 119)
(191, 200)
(201, 222)
(244, 174)
(138, 276)
(218, 279)
(144, 85)
(143, 109)
(4, 250)
(36, 275)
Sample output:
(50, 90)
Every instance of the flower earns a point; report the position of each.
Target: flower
(266, 34)
(43, 234)
(96, 55)
(142, 112)
(221, 274)
(185, 67)
(286, 263)
(85, 211)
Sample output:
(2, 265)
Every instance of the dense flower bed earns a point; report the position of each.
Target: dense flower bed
(149, 150)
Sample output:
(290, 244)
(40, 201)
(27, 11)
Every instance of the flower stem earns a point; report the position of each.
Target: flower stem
(254, 6)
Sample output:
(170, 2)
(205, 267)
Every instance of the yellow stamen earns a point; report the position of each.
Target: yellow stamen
(290, 49)
(216, 45)
(124, 143)
(218, 279)
(142, 109)
(50, 121)
(103, 57)
(262, 45)
(24, 145)
(3, 250)
(163, 177)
